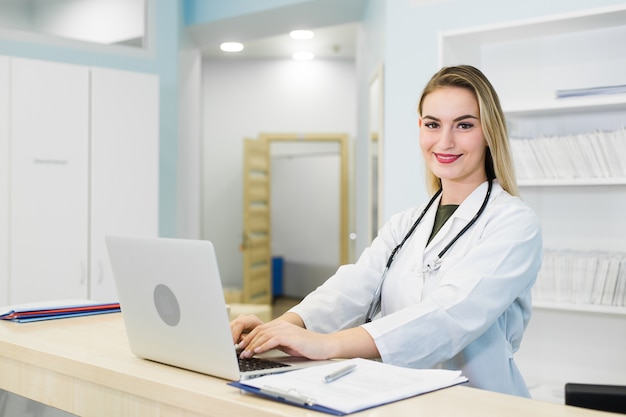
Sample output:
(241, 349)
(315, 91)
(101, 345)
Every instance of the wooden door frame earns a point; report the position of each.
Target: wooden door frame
(344, 181)
(256, 244)
(248, 294)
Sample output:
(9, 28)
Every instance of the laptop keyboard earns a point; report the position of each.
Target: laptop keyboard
(255, 364)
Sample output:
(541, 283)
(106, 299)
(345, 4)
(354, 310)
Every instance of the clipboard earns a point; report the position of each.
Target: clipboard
(370, 384)
(292, 398)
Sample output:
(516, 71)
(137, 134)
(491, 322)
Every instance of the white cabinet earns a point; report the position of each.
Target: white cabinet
(527, 62)
(124, 165)
(49, 180)
(79, 161)
(4, 180)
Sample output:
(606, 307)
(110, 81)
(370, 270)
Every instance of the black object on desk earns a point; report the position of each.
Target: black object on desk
(597, 397)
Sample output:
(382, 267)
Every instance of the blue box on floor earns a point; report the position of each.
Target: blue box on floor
(277, 276)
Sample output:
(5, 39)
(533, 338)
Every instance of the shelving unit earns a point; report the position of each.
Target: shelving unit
(527, 62)
(573, 182)
(586, 308)
(568, 106)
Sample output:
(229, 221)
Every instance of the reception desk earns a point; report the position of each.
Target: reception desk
(84, 366)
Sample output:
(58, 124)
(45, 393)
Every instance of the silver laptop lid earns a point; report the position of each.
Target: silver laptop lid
(173, 303)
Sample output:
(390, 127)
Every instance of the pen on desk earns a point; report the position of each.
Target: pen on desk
(333, 376)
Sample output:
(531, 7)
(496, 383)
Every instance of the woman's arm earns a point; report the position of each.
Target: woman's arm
(287, 333)
(324, 324)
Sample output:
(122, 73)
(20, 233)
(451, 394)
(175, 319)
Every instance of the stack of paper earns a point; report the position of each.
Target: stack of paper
(586, 155)
(582, 277)
(50, 310)
(370, 384)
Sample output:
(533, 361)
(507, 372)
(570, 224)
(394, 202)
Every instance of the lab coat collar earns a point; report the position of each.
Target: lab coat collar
(465, 212)
(468, 208)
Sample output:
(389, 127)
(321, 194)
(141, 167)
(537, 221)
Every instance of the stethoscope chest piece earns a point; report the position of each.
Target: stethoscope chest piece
(433, 265)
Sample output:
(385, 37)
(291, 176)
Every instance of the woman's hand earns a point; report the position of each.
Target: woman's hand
(288, 334)
(287, 337)
(242, 325)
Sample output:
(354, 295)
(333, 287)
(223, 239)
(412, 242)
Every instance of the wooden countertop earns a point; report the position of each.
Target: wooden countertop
(84, 366)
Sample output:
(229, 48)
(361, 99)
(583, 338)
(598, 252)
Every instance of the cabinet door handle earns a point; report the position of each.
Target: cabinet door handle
(50, 161)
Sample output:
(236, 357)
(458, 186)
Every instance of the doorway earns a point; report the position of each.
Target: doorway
(307, 184)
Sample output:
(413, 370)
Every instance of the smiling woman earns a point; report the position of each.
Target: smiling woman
(466, 310)
(452, 141)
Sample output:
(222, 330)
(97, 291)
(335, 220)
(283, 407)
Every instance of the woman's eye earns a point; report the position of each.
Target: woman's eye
(431, 125)
(465, 125)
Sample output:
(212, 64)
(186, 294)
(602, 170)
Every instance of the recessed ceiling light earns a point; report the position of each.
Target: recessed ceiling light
(231, 47)
(303, 56)
(301, 34)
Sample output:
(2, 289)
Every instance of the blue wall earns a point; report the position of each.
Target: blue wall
(203, 11)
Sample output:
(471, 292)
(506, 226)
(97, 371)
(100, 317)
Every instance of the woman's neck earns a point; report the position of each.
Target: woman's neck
(456, 193)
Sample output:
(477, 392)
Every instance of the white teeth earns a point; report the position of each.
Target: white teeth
(446, 157)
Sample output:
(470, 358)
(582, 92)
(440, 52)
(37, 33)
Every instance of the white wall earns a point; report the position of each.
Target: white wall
(243, 98)
(188, 201)
(4, 181)
(305, 188)
(371, 42)
(101, 21)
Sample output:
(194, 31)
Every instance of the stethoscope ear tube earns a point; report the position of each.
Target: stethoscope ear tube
(375, 304)
(376, 300)
(435, 263)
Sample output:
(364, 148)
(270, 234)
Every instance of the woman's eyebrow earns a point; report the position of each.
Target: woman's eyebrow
(458, 119)
(467, 116)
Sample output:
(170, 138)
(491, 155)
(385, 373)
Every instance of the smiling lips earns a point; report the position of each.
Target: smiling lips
(444, 158)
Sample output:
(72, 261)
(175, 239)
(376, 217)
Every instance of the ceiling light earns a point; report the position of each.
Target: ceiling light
(301, 34)
(231, 47)
(303, 56)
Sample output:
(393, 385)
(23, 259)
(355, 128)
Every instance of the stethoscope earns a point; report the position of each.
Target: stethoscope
(431, 266)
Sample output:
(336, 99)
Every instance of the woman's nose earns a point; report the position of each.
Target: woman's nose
(446, 139)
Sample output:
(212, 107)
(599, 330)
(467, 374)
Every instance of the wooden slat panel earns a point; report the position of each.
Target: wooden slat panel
(258, 224)
(260, 255)
(259, 163)
(257, 282)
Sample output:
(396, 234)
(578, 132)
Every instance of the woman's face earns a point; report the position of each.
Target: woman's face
(451, 136)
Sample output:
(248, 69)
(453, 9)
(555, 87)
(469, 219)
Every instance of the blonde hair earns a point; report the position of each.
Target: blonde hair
(498, 160)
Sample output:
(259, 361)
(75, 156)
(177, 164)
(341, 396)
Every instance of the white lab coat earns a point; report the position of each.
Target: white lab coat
(468, 315)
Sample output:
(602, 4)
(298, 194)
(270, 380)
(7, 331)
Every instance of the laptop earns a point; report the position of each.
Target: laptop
(173, 307)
